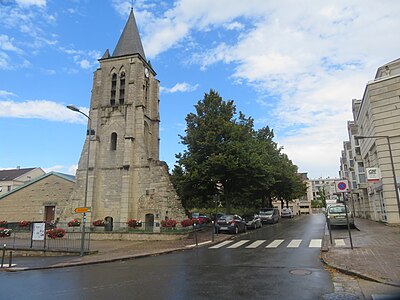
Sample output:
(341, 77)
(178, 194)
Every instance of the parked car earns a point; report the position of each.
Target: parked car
(203, 219)
(231, 224)
(252, 221)
(286, 213)
(337, 215)
(269, 215)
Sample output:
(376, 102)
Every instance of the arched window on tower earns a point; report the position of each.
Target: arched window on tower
(113, 89)
(114, 137)
(122, 89)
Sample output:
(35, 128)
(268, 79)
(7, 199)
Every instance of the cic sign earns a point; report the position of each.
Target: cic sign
(373, 174)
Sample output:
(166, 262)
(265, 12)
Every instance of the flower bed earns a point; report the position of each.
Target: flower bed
(55, 233)
(5, 232)
(24, 223)
(186, 223)
(168, 223)
(74, 223)
(132, 223)
(98, 223)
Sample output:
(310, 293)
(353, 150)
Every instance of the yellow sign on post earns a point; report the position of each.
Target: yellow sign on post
(83, 209)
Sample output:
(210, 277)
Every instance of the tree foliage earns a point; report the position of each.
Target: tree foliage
(223, 150)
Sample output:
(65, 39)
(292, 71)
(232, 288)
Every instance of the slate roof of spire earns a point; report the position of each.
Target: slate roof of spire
(129, 41)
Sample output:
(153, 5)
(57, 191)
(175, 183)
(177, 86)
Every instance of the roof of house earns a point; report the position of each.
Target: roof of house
(11, 174)
(129, 41)
(61, 175)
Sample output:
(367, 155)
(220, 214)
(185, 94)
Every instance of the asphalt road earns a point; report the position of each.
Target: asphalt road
(275, 262)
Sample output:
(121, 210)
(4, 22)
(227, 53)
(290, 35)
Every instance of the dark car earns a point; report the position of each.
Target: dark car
(269, 215)
(252, 221)
(231, 224)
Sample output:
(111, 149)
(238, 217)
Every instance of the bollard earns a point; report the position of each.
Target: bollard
(212, 231)
(10, 260)
(195, 234)
(329, 228)
(2, 257)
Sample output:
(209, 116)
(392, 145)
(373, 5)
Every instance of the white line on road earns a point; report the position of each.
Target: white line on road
(274, 244)
(294, 244)
(256, 244)
(220, 245)
(316, 243)
(339, 242)
(199, 244)
(238, 244)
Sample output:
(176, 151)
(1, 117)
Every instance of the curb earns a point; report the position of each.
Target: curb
(355, 273)
(115, 259)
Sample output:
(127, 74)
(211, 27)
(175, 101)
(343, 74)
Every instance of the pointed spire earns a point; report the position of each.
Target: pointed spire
(106, 54)
(129, 42)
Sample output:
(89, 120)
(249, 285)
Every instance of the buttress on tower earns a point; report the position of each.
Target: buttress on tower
(125, 178)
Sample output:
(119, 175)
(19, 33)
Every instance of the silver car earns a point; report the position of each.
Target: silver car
(336, 214)
(253, 221)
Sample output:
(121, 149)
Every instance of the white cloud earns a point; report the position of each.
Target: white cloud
(40, 109)
(6, 94)
(234, 26)
(6, 44)
(84, 59)
(180, 87)
(306, 63)
(27, 3)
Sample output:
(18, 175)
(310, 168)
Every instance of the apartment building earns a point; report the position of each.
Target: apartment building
(374, 144)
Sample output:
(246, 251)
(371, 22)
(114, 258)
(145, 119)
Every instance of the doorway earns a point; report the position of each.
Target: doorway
(49, 213)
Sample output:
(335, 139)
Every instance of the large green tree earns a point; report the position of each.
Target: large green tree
(224, 154)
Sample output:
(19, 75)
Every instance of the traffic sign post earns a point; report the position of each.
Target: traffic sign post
(342, 187)
(83, 210)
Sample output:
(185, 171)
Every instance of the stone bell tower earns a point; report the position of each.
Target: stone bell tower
(125, 178)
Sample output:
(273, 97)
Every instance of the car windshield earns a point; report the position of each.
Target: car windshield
(266, 212)
(337, 210)
(248, 217)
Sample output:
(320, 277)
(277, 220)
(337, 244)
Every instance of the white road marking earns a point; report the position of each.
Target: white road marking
(238, 244)
(294, 244)
(274, 244)
(316, 243)
(256, 244)
(220, 245)
(339, 242)
(199, 244)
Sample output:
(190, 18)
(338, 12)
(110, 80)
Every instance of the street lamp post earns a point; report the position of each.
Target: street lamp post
(391, 162)
(74, 108)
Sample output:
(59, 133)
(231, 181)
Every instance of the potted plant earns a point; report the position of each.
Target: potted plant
(74, 223)
(55, 233)
(98, 223)
(24, 223)
(132, 223)
(5, 232)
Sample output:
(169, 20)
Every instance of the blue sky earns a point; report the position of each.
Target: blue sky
(292, 65)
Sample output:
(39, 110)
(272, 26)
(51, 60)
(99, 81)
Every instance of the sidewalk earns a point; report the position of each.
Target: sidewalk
(110, 250)
(376, 253)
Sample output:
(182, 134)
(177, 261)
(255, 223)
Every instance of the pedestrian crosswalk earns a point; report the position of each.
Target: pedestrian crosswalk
(294, 243)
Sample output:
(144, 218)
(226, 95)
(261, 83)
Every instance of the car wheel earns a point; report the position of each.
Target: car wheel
(244, 229)
(255, 226)
(236, 230)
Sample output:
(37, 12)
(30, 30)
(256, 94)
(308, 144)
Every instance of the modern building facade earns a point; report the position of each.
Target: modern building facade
(374, 142)
(125, 177)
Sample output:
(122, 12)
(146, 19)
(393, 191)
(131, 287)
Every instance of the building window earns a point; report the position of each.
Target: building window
(8, 188)
(113, 89)
(122, 89)
(114, 141)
